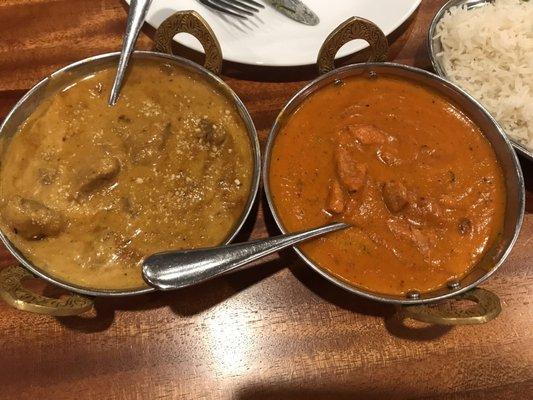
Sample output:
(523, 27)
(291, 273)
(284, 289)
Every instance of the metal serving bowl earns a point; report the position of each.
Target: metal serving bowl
(359, 28)
(435, 47)
(10, 278)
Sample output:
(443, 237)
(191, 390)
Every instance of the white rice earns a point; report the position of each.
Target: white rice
(488, 51)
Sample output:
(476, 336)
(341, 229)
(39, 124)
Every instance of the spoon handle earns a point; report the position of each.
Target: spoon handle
(136, 15)
(178, 269)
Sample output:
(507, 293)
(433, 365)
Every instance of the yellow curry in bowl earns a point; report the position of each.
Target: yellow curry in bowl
(413, 175)
(87, 191)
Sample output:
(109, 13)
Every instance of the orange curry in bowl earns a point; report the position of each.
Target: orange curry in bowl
(413, 175)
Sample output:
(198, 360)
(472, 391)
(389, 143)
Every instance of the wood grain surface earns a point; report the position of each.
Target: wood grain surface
(277, 331)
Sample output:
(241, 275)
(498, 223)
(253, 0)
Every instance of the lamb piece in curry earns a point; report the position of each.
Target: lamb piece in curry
(414, 176)
(87, 190)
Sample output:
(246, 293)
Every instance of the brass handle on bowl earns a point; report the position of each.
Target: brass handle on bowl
(12, 291)
(190, 22)
(352, 29)
(487, 308)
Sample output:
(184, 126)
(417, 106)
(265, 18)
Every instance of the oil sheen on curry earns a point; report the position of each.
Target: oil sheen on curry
(88, 191)
(414, 176)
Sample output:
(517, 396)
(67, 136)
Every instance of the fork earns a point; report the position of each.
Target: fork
(238, 8)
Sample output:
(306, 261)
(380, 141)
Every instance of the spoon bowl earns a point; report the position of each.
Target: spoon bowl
(179, 269)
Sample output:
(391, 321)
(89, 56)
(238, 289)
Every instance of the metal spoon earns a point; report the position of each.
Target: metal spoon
(136, 15)
(178, 269)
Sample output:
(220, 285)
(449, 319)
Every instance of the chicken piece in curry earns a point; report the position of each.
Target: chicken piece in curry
(88, 191)
(416, 179)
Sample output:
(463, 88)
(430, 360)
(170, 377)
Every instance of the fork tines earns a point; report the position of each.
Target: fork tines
(238, 8)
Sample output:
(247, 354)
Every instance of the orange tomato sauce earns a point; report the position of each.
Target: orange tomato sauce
(413, 175)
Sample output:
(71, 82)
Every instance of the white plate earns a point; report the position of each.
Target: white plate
(271, 39)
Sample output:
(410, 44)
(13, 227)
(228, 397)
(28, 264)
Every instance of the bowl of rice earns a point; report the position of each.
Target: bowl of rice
(486, 48)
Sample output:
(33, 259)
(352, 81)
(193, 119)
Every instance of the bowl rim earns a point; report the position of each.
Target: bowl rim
(310, 88)
(433, 45)
(213, 79)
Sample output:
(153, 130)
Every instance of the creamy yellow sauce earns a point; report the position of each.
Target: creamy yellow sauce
(87, 191)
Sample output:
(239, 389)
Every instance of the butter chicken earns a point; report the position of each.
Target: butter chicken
(416, 179)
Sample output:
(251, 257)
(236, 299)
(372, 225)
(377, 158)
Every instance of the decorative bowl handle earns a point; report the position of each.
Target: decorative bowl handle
(352, 29)
(190, 22)
(487, 308)
(17, 296)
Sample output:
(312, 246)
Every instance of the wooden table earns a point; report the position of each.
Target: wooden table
(278, 331)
